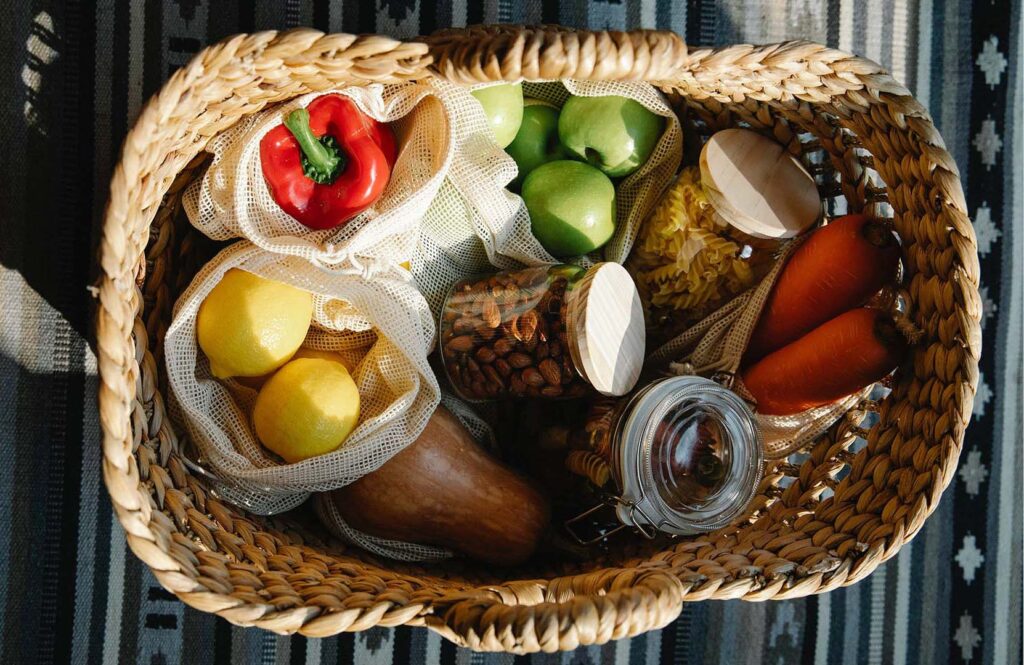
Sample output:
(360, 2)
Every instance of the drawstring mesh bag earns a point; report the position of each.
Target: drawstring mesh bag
(232, 199)
(638, 193)
(476, 224)
(381, 327)
(446, 209)
(329, 514)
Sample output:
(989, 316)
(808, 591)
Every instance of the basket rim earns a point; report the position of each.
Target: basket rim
(588, 608)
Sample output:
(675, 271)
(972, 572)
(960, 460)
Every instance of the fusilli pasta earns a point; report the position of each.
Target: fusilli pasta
(683, 262)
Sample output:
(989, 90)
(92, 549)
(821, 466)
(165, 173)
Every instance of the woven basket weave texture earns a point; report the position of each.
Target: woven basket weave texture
(826, 521)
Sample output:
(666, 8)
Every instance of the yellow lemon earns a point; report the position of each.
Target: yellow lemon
(307, 408)
(256, 382)
(249, 325)
(306, 352)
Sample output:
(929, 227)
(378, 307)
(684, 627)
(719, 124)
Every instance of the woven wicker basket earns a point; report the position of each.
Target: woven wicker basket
(822, 523)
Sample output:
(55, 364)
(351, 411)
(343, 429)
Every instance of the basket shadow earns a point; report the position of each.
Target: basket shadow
(47, 194)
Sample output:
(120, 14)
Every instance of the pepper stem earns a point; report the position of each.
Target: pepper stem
(321, 160)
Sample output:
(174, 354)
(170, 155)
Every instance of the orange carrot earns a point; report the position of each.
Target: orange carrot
(837, 268)
(832, 361)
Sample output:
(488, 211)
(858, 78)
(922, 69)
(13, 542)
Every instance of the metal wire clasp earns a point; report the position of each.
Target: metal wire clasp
(613, 502)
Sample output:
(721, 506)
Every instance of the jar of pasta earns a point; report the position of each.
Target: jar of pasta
(716, 229)
(552, 332)
(680, 456)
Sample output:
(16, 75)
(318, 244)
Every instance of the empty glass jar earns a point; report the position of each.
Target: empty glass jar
(683, 454)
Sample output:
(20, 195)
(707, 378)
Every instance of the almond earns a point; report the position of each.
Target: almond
(493, 376)
(491, 313)
(520, 360)
(485, 355)
(532, 377)
(551, 372)
(516, 385)
(528, 325)
(461, 344)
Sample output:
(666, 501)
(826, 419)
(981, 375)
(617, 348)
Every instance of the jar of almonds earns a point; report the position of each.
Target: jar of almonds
(554, 332)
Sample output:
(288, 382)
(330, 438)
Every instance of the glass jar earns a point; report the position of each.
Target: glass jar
(684, 457)
(717, 228)
(551, 332)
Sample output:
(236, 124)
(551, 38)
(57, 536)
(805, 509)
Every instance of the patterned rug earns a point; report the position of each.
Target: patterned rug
(76, 74)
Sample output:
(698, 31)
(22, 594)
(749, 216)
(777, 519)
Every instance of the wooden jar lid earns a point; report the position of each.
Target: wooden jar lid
(605, 323)
(756, 186)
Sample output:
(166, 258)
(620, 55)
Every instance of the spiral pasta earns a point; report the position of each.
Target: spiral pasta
(590, 465)
(682, 261)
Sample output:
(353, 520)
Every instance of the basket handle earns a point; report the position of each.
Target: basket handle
(512, 52)
(593, 609)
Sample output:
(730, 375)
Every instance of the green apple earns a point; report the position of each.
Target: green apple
(503, 106)
(571, 205)
(615, 134)
(537, 140)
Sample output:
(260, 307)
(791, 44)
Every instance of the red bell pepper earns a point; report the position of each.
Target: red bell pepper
(327, 162)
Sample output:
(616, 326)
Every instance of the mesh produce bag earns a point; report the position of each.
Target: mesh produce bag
(715, 346)
(380, 326)
(329, 514)
(232, 199)
(475, 223)
(445, 209)
(638, 193)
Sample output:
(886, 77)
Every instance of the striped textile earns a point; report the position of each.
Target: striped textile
(75, 75)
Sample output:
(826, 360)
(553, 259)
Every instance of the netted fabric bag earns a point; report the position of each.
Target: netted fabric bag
(382, 328)
(638, 193)
(327, 509)
(476, 224)
(446, 209)
(714, 348)
(232, 199)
